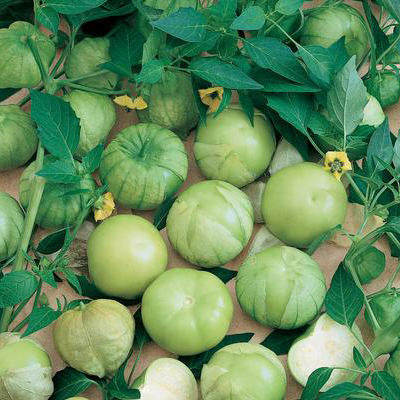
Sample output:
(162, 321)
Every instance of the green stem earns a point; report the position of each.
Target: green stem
(36, 196)
(393, 277)
(387, 51)
(379, 194)
(356, 188)
(135, 364)
(43, 70)
(19, 309)
(63, 82)
(91, 75)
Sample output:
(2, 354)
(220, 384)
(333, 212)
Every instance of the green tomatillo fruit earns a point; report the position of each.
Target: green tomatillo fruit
(243, 371)
(18, 67)
(97, 116)
(385, 87)
(254, 192)
(59, 206)
(171, 103)
(95, 338)
(186, 311)
(144, 165)
(17, 136)
(295, 301)
(285, 155)
(369, 264)
(373, 113)
(85, 58)
(229, 148)
(167, 379)
(11, 225)
(328, 23)
(392, 365)
(301, 202)
(326, 343)
(210, 223)
(25, 369)
(125, 254)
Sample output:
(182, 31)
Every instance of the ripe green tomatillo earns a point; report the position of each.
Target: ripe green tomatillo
(243, 371)
(186, 311)
(25, 369)
(144, 165)
(385, 86)
(301, 202)
(210, 223)
(295, 301)
(125, 254)
(230, 149)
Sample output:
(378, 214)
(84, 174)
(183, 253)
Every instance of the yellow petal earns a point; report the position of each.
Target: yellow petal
(212, 101)
(214, 104)
(124, 101)
(107, 206)
(139, 103)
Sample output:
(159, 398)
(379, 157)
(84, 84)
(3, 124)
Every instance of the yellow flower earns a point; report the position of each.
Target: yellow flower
(337, 162)
(212, 97)
(125, 101)
(104, 207)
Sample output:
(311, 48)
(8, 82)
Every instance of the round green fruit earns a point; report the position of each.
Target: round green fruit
(18, 137)
(385, 87)
(58, 208)
(210, 223)
(167, 379)
(25, 369)
(97, 116)
(186, 311)
(95, 338)
(18, 67)
(301, 202)
(392, 365)
(171, 103)
(295, 301)
(85, 58)
(327, 24)
(369, 264)
(326, 343)
(373, 113)
(11, 225)
(125, 254)
(243, 370)
(144, 165)
(230, 149)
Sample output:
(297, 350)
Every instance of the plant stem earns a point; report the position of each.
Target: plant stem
(392, 45)
(64, 82)
(356, 188)
(36, 196)
(43, 71)
(91, 75)
(393, 277)
(135, 364)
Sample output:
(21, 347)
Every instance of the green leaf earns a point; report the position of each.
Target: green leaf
(186, 24)
(17, 286)
(74, 6)
(223, 74)
(292, 107)
(252, 18)
(152, 45)
(369, 264)
(6, 93)
(318, 241)
(195, 49)
(393, 6)
(126, 50)
(280, 341)
(59, 171)
(88, 289)
(40, 318)
(347, 99)
(91, 161)
(380, 146)
(345, 389)
(339, 54)
(48, 17)
(47, 276)
(385, 385)
(141, 336)
(247, 105)
(52, 242)
(224, 11)
(195, 363)
(161, 213)
(226, 99)
(76, 303)
(223, 273)
(344, 300)
(69, 383)
(119, 389)
(271, 53)
(315, 382)
(396, 154)
(227, 46)
(152, 71)
(73, 280)
(359, 359)
(58, 126)
(288, 7)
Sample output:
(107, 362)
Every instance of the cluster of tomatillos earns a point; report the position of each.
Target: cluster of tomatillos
(186, 311)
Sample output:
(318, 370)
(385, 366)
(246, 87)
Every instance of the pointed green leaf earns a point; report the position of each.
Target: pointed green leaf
(74, 6)
(40, 318)
(252, 18)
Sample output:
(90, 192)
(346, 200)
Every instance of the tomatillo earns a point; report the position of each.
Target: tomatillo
(125, 254)
(229, 148)
(186, 311)
(243, 371)
(301, 202)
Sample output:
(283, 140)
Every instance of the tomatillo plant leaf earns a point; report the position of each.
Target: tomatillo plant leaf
(315, 382)
(161, 213)
(59, 171)
(288, 7)
(223, 10)
(119, 389)
(195, 49)
(224, 274)
(52, 242)
(393, 6)
(252, 18)
(280, 341)
(385, 385)
(68, 383)
(152, 45)
(58, 126)
(48, 17)
(318, 241)
(40, 318)
(222, 74)
(6, 93)
(359, 359)
(380, 146)
(339, 54)
(396, 154)
(344, 390)
(344, 300)
(152, 71)
(74, 6)
(141, 336)
(17, 286)
(195, 363)
(186, 24)
(91, 161)
(247, 105)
